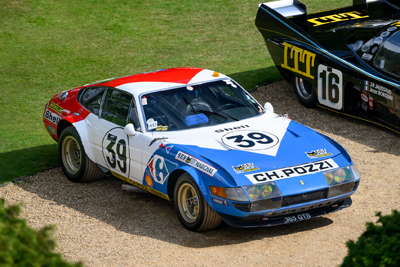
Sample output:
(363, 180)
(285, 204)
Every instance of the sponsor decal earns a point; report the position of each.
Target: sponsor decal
(219, 201)
(364, 97)
(144, 101)
(231, 129)
(51, 130)
(294, 171)
(250, 140)
(149, 181)
(319, 153)
(56, 107)
(52, 117)
(300, 58)
(196, 163)
(242, 168)
(162, 128)
(366, 56)
(168, 148)
(337, 18)
(378, 90)
(148, 189)
(189, 88)
(364, 106)
(151, 124)
(371, 102)
(158, 169)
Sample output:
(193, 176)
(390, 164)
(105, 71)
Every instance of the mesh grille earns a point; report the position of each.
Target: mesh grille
(303, 198)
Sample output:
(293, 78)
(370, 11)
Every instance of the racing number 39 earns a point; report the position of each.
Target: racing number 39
(330, 87)
(120, 151)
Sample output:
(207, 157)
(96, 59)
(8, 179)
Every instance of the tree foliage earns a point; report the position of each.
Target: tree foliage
(379, 245)
(21, 245)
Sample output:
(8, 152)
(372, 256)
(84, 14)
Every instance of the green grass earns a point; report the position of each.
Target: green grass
(49, 46)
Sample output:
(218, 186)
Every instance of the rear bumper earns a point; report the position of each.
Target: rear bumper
(264, 221)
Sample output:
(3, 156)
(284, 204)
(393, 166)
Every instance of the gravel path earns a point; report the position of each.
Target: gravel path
(102, 225)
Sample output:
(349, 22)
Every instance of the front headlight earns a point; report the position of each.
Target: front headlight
(264, 196)
(340, 181)
(231, 193)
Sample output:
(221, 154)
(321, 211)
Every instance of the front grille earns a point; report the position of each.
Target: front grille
(304, 198)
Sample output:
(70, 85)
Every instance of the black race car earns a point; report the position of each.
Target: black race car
(346, 60)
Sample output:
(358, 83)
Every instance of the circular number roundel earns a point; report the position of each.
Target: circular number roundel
(250, 140)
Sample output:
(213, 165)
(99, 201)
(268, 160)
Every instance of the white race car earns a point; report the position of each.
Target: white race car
(197, 137)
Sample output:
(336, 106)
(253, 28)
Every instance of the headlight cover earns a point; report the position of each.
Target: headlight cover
(340, 181)
(231, 193)
(264, 196)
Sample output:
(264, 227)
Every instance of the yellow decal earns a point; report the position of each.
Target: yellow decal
(300, 57)
(337, 18)
(149, 189)
(56, 107)
(397, 24)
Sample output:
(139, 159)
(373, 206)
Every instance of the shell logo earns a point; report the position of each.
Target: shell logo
(149, 181)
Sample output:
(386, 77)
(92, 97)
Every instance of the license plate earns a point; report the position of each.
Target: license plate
(298, 217)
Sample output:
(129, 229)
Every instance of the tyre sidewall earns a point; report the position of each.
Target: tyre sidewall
(186, 178)
(77, 177)
(309, 102)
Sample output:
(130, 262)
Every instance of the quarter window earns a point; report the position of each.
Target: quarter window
(91, 99)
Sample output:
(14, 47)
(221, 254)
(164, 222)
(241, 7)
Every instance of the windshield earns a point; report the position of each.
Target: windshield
(198, 106)
(388, 57)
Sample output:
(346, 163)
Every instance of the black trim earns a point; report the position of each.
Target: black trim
(267, 220)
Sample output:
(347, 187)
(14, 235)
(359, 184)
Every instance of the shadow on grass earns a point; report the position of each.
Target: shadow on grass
(253, 78)
(28, 161)
(143, 214)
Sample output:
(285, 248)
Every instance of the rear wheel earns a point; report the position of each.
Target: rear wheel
(305, 92)
(74, 162)
(192, 209)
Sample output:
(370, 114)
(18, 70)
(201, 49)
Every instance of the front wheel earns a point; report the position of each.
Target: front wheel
(305, 92)
(74, 162)
(192, 209)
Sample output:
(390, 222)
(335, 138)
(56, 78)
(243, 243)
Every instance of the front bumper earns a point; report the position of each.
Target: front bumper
(284, 218)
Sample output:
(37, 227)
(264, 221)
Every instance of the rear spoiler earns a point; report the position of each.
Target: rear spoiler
(296, 11)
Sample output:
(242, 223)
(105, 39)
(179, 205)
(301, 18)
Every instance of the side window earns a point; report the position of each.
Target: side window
(116, 107)
(91, 99)
(133, 116)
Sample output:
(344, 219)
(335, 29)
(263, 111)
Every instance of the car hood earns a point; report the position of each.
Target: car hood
(267, 142)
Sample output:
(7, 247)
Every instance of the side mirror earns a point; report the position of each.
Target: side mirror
(268, 107)
(129, 129)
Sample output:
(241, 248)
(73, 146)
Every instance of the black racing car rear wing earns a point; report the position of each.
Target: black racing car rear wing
(280, 15)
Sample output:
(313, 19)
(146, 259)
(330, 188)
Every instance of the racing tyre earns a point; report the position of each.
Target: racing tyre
(192, 209)
(74, 162)
(305, 92)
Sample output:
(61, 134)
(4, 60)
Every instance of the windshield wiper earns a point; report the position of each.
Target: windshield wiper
(190, 104)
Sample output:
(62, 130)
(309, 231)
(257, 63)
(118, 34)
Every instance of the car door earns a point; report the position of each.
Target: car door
(114, 149)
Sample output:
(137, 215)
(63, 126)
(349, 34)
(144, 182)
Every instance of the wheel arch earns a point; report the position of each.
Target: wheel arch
(81, 128)
(61, 127)
(173, 178)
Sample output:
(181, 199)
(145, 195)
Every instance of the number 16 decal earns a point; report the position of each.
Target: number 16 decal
(330, 89)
